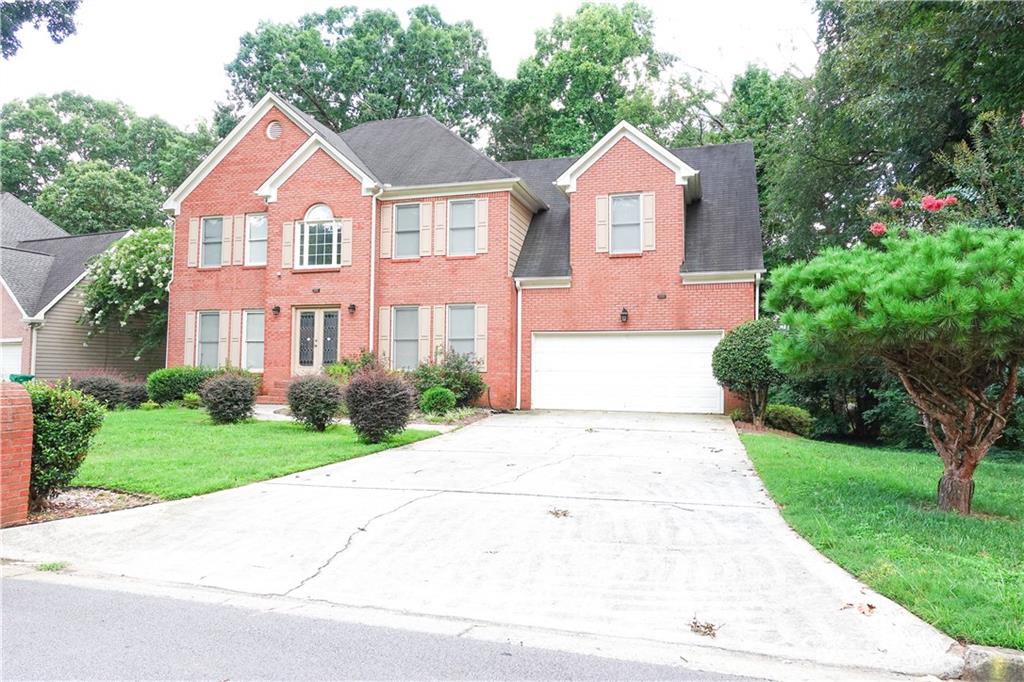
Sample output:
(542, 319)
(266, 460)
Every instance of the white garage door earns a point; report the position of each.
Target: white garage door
(10, 358)
(629, 371)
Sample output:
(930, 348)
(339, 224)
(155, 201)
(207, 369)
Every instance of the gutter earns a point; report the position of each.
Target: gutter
(757, 296)
(380, 189)
(519, 345)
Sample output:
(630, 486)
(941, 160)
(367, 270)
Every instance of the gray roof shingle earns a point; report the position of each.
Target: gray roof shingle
(19, 221)
(723, 228)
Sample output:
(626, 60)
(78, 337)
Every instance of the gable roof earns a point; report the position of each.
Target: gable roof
(723, 227)
(20, 221)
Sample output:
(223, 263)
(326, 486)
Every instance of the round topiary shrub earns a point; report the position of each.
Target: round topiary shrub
(379, 404)
(64, 423)
(437, 400)
(741, 364)
(789, 418)
(172, 383)
(107, 390)
(229, 398)
(314, 401)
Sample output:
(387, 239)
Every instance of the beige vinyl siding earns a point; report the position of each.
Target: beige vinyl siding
(518, 223)
(60, 348)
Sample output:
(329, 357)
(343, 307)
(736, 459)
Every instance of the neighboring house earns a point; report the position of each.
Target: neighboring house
(598, 282)
(41, 270)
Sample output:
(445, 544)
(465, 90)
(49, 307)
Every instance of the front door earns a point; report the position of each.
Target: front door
(314, 339)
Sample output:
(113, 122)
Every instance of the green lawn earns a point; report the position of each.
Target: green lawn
(174, 452)
(872, 511)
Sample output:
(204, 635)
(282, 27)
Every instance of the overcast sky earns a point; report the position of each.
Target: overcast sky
(167, 57)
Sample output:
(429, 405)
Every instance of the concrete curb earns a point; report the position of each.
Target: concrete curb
(993, 664)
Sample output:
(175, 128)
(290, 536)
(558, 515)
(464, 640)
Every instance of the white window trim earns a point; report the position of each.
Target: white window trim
(202, 240)
(394, 332)
(245, 339)
(448, 236)
(394, 231)
(611, 221)
(199, 326)
(448, 326)
(297, 237)
(265, 239)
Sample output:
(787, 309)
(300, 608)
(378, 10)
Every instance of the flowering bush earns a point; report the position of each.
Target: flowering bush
(129, 283)
(877, 229)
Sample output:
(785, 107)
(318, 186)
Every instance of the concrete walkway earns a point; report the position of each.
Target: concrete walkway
(593, 532)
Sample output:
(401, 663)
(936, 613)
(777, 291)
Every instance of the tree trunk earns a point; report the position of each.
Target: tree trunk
(955, 493)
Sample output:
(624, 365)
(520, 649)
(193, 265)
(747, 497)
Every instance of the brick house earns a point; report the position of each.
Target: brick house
(598, 282)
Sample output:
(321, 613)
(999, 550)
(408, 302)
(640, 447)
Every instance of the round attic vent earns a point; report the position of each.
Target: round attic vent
(274, 130)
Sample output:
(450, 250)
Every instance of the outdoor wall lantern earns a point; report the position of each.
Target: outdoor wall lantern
(351, 308)
(624, 316)
(276, 310)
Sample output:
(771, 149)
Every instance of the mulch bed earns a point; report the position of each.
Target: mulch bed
(748, 427)
(84, 501)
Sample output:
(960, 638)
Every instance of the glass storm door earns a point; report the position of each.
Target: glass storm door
(315, 339)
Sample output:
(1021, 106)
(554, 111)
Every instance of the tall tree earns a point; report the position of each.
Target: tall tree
(90, 196)
(58, 15)
(40, 136)
(345, 67)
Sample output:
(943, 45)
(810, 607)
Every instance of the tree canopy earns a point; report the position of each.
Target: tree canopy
(345, 67)
(58, 15)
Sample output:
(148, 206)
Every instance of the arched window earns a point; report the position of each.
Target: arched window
(317, 243)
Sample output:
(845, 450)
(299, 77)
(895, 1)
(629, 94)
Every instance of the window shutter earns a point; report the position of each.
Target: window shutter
(238, 255)
(480, 346)
(346, 242)
(440, 227)
(189, 357)
(439, 330)
(235, 348)
(287, 233)
(193, 242)
(481, 225)
(387, 215)
(426, 227)
(384, 337)
(424, 332)
(225, 240)
(647, 210)
(602, 224)
(222, 339)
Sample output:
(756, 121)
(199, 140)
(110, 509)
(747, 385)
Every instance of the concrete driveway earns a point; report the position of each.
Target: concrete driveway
(600, 532)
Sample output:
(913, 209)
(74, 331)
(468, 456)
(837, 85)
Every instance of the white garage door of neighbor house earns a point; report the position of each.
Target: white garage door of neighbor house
(625, 371)
(10, 358)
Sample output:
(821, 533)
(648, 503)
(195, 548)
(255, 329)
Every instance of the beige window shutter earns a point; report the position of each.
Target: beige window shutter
(602, 224)
(440, 227)
(647, 211)
(235, 347)
(481, 225)
(426, 225)
(387, 217)
(480, 345)
(225, 240)
(439, 329)
(238, 253)
(189, 357)
(345, 257)
(424, 332)
(223, 338)
(384, 335)
(193, 242)
(287, 233)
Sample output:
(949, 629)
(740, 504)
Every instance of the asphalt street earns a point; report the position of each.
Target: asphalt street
(63, 632)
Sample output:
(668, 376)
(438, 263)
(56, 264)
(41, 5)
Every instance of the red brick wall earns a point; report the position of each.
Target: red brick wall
(603, 284)
(11, 327)
(15, 452)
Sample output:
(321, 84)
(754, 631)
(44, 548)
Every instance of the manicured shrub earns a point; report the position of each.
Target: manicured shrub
(64, 424)
(229, 397)
(149, 405)
(437, 400)
(458, 373)
(108, 391)
(740, 362)
(314, 401)
(789, 418)
(192, 401)
(172, 383)
(133, 395)
(379, 404)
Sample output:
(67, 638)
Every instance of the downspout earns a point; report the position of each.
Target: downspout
(373, 258)
(757, 296)
(519, 345)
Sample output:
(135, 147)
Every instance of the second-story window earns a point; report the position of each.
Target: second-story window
(625, 224)
(256, 239)
(317, 239)
(213, 234)
(462, 228)
(407, 231)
